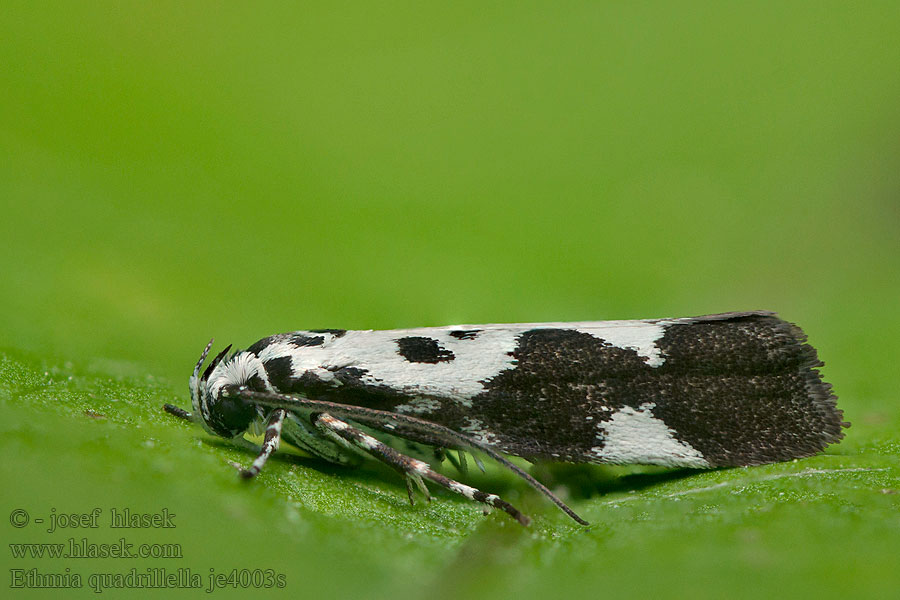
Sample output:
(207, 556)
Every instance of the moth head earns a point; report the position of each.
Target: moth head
(216, 406)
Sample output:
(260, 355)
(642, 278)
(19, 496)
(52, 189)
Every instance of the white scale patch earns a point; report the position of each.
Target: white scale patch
(419, 406)
(637, 437)
(475, 360)
(477, 430)
(460, 488)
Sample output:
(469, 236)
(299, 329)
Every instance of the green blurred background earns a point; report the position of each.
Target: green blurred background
(175, 171)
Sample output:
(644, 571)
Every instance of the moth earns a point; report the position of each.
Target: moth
(723, 390)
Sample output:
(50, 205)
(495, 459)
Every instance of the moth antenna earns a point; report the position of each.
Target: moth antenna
(379, 417)
(214, 362)
(178, 412)
(203, 356)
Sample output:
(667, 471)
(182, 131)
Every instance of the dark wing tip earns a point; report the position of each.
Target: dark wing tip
(783, 410)
(828, 420)
(820, 392)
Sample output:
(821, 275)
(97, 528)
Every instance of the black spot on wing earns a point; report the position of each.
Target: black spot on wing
(538, 409)
(262, 344)
(255, 382)
(335, 332)
(284, 379)
(280, 373)
(348, 386)
(349, 375)
(300, 340)
(465, 334)
(423, 350)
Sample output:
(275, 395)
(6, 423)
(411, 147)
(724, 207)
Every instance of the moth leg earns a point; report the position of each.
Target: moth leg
(462, 464)
(269, 445)
(379, 418)
(478, 463)
(414, 469)
(417, 479)
(459, 461)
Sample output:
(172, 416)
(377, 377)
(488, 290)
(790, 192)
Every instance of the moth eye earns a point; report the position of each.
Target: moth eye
(229, 416)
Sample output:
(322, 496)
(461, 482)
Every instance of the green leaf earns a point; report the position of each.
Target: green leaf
(78, 437)
(169, 172)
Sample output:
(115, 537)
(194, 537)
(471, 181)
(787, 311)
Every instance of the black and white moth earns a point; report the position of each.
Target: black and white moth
(733, 389)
